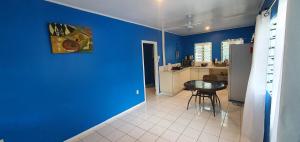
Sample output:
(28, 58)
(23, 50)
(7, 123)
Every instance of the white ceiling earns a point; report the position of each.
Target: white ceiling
(172, 14)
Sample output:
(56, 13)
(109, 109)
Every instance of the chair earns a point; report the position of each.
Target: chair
(213, 97)
(210, 78)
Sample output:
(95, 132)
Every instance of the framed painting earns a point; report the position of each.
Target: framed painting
(70, 39)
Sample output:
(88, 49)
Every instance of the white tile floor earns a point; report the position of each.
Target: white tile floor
(165, 119)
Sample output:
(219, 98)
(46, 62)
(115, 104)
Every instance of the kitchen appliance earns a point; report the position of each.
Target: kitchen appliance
(240, 59)
(187, 62)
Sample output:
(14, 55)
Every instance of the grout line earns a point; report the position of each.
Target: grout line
(222, 125)
(154, 110)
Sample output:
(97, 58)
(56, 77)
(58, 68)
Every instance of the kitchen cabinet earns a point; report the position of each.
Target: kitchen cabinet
(194, 74)
(202, 72)
(198, 73)
(172, 82)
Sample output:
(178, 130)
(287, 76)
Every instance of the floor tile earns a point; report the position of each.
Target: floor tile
(183, 121)
(224, 140)
(137, 121)
(164, 123)
(148, 137)
(106, 130)
(161, 140)
(170, 135)
(126, 128)
(126, 138)
(212, 130)
(157, 130)
(154, 119)
(192, 133)
(165, 119)
(205, 137)
(177, 127)
(146, 125)
(94, 137)
(183, 138)
(229, 135)
(115, 135)
(198, 125)
(117, 123)
(171, 117)
(214, 123)
(136, 132)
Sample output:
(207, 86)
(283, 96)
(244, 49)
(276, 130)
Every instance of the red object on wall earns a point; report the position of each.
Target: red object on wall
(251, 48)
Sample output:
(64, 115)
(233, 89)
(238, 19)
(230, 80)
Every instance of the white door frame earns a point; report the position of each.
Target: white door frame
(156, 60)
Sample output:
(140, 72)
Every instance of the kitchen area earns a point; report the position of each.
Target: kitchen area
(172, 80)
(233, 72)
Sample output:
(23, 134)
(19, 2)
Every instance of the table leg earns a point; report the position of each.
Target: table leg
(189, 101)
(200, 95)
(213, 104)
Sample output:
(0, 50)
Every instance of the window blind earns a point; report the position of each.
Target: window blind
(203, 52)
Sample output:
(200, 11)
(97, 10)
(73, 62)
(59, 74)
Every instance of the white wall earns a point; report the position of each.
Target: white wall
(289, 106)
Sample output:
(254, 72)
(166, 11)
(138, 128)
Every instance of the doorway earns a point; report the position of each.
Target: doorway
(150, 68)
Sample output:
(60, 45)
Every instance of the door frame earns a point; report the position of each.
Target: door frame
(156, 66)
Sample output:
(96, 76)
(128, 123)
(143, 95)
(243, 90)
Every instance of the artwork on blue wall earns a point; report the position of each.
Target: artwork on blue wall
(68, 38)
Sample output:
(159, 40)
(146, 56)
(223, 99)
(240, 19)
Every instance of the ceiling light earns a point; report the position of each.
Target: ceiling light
(207, 28)
(159, 1)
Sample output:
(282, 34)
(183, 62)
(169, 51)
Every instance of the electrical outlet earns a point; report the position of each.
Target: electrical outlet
(137, 92)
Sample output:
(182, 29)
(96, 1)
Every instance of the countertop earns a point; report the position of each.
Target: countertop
(194, 67)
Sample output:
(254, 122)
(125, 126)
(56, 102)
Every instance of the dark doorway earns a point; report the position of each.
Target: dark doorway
(149, 64)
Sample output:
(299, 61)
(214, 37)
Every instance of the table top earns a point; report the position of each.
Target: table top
(204, 86)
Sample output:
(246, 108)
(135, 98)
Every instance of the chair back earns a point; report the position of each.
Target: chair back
(210, 78)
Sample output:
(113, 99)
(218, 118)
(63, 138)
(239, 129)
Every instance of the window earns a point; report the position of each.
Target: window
(225, 47)
(203, 52)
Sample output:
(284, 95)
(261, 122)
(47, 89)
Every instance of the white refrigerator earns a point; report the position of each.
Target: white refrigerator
(240, 59)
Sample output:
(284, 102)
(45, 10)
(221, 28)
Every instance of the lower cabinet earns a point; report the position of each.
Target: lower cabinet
(179, 78)
(198, 73)
(194, 74)
(172, 82)
(176, 85)
(202, 72)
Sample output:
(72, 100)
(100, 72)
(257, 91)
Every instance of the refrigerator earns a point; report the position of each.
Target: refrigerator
(240, 59)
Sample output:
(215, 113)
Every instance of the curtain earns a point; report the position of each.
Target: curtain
(254, 108)
(278, 64)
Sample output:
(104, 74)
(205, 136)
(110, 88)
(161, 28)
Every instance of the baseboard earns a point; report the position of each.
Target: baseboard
(91, 130)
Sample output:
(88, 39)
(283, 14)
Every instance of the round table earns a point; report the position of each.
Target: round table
(205, 89)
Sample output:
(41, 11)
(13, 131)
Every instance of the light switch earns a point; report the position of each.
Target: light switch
(137, 92)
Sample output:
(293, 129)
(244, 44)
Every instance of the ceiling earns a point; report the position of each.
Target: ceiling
(172, 14)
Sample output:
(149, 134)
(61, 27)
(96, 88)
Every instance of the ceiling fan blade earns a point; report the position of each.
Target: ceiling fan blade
(197, 23)
(176, 27)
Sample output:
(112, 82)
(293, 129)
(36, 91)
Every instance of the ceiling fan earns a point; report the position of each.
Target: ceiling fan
(190, 24)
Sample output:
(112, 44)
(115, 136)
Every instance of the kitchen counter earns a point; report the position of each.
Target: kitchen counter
(172, 81)
(195, 67)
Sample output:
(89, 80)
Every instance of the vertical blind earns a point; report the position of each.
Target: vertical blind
(271, 56)
(225, 47)
(203, 52)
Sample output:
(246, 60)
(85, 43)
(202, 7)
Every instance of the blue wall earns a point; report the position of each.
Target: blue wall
(216, 38)
(52, 97)
(173, 43)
